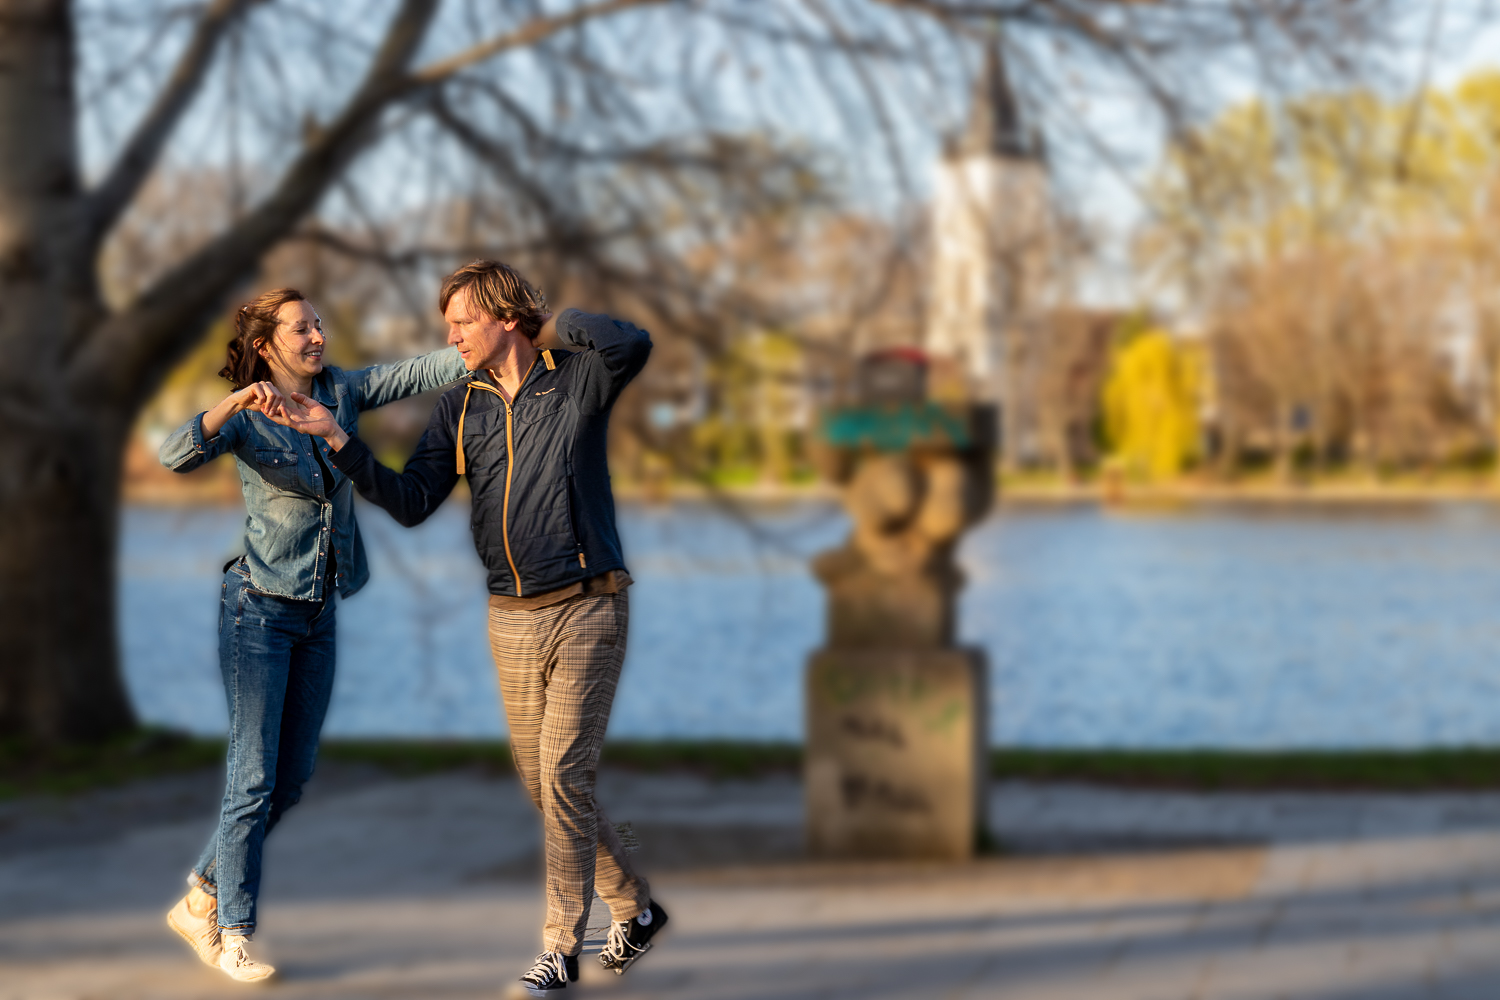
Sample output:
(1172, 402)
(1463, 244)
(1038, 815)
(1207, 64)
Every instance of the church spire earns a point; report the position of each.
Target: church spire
(994, 126)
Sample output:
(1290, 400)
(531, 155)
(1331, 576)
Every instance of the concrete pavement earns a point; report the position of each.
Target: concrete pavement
(427, 887)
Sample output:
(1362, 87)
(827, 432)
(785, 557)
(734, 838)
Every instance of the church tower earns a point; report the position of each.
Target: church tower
(991, 240)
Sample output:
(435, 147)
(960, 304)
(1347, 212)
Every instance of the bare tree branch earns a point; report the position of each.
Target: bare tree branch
(411, 256)
(144, 338)
(115, 192)
(531, 33)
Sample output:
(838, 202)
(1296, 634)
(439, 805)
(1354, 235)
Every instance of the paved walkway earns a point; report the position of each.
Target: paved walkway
(426, 888)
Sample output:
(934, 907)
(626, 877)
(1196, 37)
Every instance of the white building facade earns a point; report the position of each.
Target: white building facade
(991, 249)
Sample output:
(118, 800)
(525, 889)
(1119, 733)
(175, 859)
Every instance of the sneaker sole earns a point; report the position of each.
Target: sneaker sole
(248, 979)
(188, 937)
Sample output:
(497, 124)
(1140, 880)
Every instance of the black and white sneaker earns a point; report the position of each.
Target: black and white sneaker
(553, 971)
(630, 939)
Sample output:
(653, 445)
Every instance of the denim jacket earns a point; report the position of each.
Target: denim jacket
(293, 517)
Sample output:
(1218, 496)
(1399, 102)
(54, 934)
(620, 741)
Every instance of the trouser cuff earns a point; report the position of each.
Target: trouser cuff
(640, 903)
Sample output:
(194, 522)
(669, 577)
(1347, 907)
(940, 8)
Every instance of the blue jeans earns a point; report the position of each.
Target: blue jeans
(276, 655)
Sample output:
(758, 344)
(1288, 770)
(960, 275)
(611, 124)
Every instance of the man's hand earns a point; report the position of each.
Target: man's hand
(305, 414)
(546, 332)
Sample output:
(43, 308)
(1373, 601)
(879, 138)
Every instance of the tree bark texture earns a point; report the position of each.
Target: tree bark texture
(58, 539)
(60, 443)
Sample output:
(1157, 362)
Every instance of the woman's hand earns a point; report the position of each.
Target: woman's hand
(263, 397)
(305, 414)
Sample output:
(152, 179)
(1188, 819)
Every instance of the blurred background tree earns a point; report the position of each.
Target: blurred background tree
(1151, 404)
(1337, 251)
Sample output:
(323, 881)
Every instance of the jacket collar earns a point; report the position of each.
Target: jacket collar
(543, 362)
(322, 388)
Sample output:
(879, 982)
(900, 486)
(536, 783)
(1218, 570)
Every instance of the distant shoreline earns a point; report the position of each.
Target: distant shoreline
(221, 493)
(1313, 494)
(147, 483)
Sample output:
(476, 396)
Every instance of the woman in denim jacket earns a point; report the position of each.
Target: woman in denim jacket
(276, 618)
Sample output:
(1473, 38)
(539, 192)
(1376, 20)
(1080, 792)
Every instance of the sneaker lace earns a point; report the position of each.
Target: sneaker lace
(549, 964)
(617, 946)
(240, 956)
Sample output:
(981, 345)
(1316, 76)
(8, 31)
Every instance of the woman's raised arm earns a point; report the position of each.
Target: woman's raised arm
(199, 440)
(381, 384)
(262, 396)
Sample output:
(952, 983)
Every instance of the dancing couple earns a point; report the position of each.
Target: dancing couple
(527, 427)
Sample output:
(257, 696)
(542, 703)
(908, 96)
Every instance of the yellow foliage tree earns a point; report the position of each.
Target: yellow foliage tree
(1263, 181)
(1151, 405)
(1339, 251)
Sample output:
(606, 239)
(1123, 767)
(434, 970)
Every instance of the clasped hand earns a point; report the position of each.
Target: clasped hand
(305, 414)
(263, 397)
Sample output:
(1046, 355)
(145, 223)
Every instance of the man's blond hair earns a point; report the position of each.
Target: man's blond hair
(500, 292)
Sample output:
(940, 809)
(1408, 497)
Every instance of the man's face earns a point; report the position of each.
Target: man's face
(480, 338)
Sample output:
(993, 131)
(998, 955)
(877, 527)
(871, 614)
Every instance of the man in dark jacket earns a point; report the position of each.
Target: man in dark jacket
(528, 427)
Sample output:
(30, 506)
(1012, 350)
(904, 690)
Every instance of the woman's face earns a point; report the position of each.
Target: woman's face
(296, 348)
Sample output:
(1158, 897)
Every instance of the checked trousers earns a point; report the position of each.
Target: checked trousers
(558, 667)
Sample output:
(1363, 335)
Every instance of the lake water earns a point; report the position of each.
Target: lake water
(1218, 627)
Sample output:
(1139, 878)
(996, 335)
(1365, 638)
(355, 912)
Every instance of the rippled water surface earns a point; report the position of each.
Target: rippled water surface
(1222, 627)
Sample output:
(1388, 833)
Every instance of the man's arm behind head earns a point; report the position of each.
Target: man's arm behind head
(614, 352)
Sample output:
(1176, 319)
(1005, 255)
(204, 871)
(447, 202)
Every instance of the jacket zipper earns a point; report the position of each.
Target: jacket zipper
(510, 465)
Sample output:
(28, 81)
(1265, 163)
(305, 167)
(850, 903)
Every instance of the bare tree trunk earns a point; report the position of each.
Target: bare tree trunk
(58, 541)
(1321, 440)
(1012, 412)
(1067, 467)
(1283, 442)
(59, 451)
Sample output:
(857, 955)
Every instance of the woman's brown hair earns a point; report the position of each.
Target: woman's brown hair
(254, 322)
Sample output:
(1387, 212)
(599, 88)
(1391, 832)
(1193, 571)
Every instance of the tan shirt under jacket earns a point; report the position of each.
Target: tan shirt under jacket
(613, 582)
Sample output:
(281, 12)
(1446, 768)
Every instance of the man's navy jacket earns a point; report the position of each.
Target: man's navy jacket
(543, 514)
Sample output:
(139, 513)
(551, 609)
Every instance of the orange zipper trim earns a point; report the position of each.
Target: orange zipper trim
(464, 412)
(510, 466)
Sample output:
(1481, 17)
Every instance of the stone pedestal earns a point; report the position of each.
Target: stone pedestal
(896, 731)
(895, 752)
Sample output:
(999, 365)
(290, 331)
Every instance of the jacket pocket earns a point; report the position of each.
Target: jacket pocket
(572, 511)
(541, 406)
(277, 466)
(541, 536)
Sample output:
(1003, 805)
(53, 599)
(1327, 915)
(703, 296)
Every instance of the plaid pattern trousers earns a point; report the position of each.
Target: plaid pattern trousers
(558, 667)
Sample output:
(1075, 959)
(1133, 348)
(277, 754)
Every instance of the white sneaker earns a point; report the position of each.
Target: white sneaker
(200, 932)
(237, 963)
